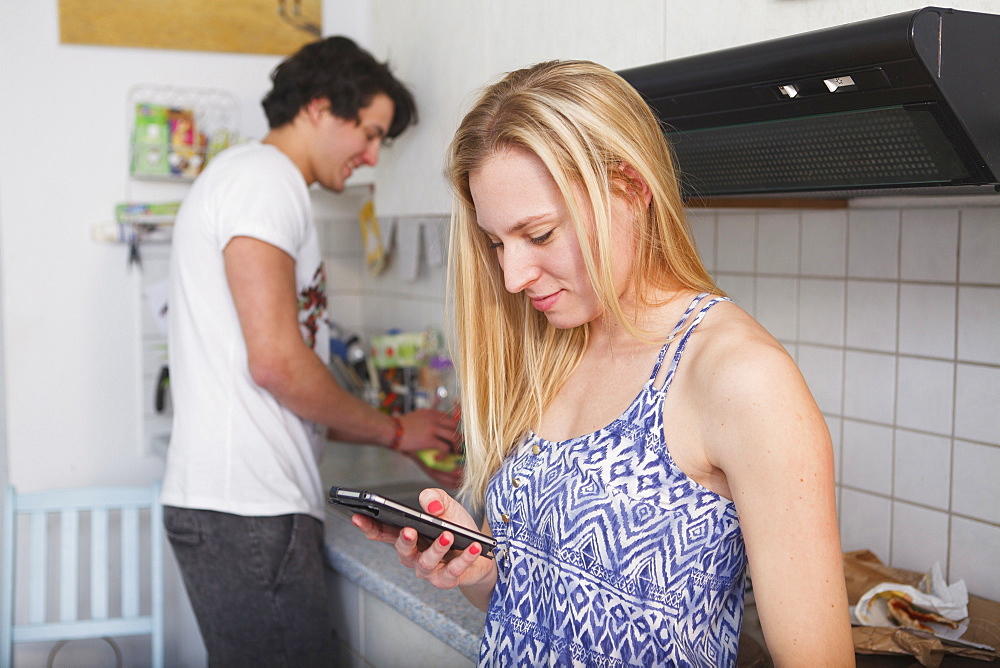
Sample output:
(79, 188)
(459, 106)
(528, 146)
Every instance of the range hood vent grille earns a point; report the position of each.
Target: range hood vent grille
(869, 149)
(909, 102)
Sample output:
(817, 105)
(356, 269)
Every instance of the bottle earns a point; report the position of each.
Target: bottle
(446, 384)
(442, 386)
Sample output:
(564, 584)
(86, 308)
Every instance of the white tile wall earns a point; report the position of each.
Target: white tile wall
(703, 226)
(978, 314)
(871, 315)
(927, 320)
(824, 243)
(865, 521)
(980, 247)
(974, 548)
(821, 311)
(873, 244)
(929, 245)
(919, 537)
(869, 384)
(778, 243)
(924, 395)
(922, 469)
(867, 456)
(976, 492)
(893, 315)
(977, 417)
(823, 370)
(776, 298)
(735, 242)
(372, 304)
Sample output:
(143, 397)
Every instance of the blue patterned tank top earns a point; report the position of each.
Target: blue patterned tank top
(608, 554)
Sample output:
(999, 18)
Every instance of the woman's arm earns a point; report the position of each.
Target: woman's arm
(772, 443)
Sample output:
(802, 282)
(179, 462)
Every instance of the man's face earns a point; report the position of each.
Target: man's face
(345, 145)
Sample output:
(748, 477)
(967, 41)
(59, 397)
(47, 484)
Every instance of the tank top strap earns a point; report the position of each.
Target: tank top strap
(674, 332)
(685, 327)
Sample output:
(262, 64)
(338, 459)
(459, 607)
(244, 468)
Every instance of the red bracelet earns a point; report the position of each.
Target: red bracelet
(394, 445)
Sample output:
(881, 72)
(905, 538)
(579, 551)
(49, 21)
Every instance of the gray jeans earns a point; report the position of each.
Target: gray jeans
(256, 584)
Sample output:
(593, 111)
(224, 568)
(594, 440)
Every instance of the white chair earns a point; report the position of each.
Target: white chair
(115, 517)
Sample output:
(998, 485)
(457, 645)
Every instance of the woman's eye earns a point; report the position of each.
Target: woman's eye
(541, 239)
(495, 245)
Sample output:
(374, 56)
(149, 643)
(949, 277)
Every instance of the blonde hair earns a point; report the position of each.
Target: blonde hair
(585, 123)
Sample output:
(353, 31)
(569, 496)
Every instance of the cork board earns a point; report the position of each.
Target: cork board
(277, 27)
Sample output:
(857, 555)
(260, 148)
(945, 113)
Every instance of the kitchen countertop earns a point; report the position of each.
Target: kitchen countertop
(447, 615)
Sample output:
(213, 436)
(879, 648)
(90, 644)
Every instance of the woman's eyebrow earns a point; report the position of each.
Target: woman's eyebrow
(528, 220)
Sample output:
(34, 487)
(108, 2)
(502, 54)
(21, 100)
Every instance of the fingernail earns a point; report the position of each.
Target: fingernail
(443, 540)
(435, 506)
(475, 549)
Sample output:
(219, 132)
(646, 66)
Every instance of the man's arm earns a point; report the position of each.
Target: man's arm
(262, 281)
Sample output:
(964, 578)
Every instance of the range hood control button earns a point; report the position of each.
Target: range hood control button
(789, 90)
(844, 83)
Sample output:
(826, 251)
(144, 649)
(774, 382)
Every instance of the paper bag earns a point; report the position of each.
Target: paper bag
(863, 570)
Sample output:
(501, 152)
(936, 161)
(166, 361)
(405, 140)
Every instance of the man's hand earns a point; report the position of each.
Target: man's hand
(425, 429)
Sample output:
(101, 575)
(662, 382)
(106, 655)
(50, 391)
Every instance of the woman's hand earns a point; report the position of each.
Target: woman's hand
(438, 563)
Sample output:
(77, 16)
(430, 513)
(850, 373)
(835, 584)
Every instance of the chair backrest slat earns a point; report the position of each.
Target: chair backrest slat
(99, 566)
(130, 562)
(38, 565)
(69, 541)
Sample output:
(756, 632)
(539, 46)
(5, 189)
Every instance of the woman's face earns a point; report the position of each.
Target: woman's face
(525, 217)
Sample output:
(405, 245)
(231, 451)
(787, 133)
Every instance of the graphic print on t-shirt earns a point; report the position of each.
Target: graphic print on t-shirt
(312, 306)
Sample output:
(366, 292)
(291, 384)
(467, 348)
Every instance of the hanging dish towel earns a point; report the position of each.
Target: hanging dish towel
(371, 239)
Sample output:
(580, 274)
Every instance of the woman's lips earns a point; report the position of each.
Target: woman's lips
(543, 304)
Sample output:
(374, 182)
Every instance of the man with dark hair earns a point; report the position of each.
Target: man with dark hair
(253, 396)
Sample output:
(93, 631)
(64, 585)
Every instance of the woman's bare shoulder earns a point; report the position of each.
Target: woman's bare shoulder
(748, 382)
(732, 343)
(739, 367)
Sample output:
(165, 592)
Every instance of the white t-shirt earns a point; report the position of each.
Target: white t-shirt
(233, 447)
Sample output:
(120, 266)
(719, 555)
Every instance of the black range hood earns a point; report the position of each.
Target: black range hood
(903, 104)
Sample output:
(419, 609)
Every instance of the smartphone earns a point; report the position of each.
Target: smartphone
(396, 514)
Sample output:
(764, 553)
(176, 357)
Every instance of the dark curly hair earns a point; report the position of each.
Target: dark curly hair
(340, 71)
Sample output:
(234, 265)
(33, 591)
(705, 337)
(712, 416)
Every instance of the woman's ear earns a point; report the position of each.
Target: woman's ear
(635, 184)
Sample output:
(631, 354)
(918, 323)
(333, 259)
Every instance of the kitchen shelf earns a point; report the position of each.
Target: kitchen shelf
(158, 150)
(146, 218)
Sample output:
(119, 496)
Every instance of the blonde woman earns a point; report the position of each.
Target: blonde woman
(635, 438)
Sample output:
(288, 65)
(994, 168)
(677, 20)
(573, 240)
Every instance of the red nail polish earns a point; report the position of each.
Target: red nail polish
(474, 549)
(435, 507)
(443, 540)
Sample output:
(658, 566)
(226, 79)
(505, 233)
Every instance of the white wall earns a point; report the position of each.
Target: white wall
(70, 307)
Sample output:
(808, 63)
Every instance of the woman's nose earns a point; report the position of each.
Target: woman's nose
(519, 270)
